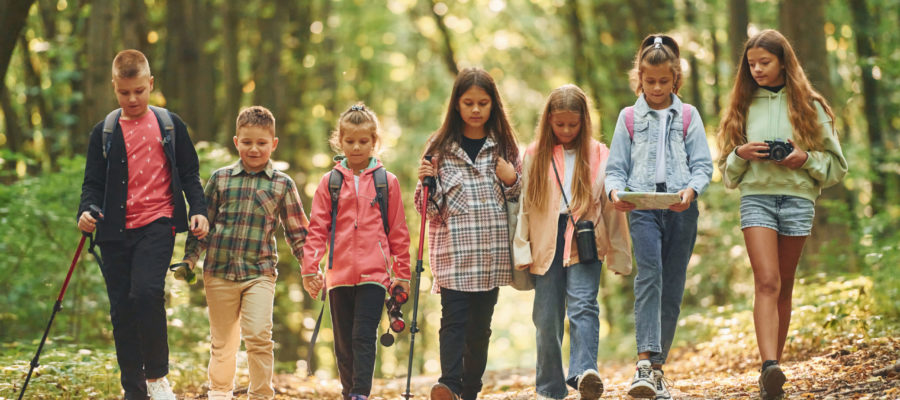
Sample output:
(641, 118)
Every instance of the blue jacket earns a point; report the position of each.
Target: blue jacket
(632, 163)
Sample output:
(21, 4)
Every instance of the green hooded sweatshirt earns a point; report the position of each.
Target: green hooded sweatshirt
(767, 119)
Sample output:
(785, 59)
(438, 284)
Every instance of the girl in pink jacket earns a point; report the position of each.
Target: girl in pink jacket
(370, 254)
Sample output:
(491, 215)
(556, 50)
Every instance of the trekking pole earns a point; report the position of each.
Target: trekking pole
(428, 184)
(95, 212)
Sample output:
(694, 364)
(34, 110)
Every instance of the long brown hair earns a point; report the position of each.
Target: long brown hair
(801, 95)
(656, 49)
(497, 124)
(564, 98)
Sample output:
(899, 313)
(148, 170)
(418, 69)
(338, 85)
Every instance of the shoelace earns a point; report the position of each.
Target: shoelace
(664, 382)
(645, 372)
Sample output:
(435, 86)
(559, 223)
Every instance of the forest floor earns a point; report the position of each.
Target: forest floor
(841, 369)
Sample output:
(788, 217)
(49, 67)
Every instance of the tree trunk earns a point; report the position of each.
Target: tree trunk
(580, 65)
(231, 17)
(652, 16)
(448, 52)
(863, 24)
(802, 22)
(716, 54)
(14, 135)
(738, 16)
(188, 72)
(99, 97)
(690, 17)
(133, 25)
(13, 15)
(270, 89)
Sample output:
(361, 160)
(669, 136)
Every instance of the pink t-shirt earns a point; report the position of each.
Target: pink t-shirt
(149, 175)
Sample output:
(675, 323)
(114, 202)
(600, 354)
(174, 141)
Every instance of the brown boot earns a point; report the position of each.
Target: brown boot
(440, 391)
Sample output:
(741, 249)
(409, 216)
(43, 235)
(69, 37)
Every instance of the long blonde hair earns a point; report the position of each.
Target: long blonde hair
(801, 96)
(565, 98)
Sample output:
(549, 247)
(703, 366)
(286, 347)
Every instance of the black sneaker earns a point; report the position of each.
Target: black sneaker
(771, 381)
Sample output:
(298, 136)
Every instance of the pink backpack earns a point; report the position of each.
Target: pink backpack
(686, 113)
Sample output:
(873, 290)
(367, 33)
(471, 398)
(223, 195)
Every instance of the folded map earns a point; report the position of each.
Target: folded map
(649, 200)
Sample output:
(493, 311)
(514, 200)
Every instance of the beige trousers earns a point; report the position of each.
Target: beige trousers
(236, 310)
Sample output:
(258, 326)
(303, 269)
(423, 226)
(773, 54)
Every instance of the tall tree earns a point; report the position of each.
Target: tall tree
(739, 18)
(98, 95)
(13, 15)
(231, 79)
(803, 23)
(133, 25)
(863, 24)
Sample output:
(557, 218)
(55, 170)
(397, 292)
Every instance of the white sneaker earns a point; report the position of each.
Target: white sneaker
(643, 386)
(662, 385)
(160, 390)
(215, 395)
(590, 386)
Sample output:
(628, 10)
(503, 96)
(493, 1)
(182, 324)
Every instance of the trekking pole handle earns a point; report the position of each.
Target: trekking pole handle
(429, 181)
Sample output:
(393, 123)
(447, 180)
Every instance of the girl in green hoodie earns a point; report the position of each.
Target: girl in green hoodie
(779, 146)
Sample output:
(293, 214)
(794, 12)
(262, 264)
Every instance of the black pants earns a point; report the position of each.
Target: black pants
(355, 314)
(465, 325)
(135, 272)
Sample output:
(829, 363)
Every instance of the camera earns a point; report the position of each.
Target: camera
(395, 315)
(778, 150)
(585, 241)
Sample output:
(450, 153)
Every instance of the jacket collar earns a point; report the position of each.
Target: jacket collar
(641, 108)
(763, 93)
(457, 150)
(239, 167)
(341, 165)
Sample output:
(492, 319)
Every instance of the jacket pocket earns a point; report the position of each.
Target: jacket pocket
(456, 201)
(641, 132)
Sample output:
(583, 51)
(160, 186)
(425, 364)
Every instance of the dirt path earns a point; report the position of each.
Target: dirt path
(842, 370)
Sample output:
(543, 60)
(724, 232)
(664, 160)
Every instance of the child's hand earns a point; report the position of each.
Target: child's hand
(620, 205)
(687, 196)
(506, 172)
(752, 151)
(313, 284)
(403, 284)
(796, 159)
(428, 168)
(87, 223)
(199, 226)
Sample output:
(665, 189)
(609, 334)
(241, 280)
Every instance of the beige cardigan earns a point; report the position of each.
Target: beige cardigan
(535, 239)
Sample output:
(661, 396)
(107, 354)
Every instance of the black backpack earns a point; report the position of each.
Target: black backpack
(109, 126)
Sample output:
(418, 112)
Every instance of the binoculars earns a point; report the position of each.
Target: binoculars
(395, 315)
(182, 272)
(585, 242)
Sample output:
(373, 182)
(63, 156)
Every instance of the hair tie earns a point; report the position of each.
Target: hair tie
(357, 107)
(657, 42)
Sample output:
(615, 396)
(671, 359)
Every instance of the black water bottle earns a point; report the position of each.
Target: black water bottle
(585, 241)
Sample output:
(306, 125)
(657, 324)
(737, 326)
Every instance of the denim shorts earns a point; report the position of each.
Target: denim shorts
(787, 215)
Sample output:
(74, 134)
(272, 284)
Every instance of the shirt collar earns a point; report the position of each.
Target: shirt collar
(372, 163)
(239, 167)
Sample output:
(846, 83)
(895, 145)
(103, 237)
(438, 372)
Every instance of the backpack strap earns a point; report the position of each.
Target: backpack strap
(629, 121)
(686, 114)
(335, 181)
(381, 195)
(109, 126)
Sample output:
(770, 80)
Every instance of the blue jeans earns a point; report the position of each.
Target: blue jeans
(663, 243)
(574, 287)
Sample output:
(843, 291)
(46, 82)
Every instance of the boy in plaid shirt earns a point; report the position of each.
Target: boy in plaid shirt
(247, 201)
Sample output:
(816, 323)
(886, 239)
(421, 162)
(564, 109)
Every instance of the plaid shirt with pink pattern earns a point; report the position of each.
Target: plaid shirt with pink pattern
(468, 240)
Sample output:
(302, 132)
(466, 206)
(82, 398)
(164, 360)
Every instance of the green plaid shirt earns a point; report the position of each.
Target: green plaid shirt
(244, 211)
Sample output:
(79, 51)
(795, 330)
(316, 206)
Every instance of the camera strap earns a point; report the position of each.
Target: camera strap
(562, 191)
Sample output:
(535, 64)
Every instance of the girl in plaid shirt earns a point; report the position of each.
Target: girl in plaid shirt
(475, 156)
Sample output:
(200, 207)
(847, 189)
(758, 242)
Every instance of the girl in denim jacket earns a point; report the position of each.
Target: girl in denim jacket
(665, 154)
(474, 157)
(545, 242)
(772, 100)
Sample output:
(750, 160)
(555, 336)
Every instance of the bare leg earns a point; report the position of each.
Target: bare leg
(762, 245)
(789, 250)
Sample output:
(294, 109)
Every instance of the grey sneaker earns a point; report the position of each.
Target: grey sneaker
(662, 385)
(160, 390)
(643, 386)
(590, 386)
(771, 381)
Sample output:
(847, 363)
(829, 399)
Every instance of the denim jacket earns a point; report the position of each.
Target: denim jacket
(632, 163)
